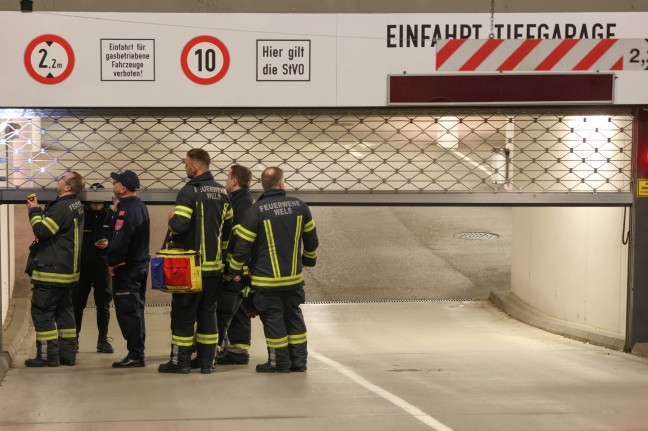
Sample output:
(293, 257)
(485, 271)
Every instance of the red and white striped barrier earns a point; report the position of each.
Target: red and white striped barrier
(472, 55)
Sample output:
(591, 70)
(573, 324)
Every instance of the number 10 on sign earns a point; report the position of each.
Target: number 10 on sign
(205, 60)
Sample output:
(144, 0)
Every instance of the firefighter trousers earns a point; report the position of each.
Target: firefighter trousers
(283, 326)
(129, 287)
(97, 279)
(53, 317)
(197, 311)
(234, 327)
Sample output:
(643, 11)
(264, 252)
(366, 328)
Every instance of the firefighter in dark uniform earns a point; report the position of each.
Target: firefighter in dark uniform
(53, 266)
(128, 260)
(94, 269)
(279, 237)
(234, 325)
(201, 220)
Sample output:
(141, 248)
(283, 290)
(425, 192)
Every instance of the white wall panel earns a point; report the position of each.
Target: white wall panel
(570, 263)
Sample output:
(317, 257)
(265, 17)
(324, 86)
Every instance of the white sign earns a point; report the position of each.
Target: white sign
(127, 60)
(636, 54)
(283, 60)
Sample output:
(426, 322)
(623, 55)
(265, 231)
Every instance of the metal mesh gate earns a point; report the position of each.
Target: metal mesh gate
(345, 153)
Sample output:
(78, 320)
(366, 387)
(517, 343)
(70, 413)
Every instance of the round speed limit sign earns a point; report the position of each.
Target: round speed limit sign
(205, 60)
(49, 59)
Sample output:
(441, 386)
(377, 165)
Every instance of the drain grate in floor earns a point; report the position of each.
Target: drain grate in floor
(476, 235)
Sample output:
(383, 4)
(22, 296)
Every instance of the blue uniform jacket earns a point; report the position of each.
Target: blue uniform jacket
(130, 233)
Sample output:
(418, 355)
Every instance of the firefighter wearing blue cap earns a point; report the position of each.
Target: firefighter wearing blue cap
(128, 260)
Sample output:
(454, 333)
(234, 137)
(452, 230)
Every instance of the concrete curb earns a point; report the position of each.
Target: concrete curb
(511, 304)
(15, 333)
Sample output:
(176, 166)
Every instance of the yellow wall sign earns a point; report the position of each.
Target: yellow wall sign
(642, 187)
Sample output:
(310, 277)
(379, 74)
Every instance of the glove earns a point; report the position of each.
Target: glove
(247, 305)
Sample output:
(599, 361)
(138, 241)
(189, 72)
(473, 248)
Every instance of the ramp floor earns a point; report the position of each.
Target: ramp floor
(372, 366)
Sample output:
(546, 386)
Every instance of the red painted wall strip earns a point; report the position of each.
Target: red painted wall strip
(595, 54)
(519, 54)
(482, 53)
(561, 50)
(448, 49)
(474, 89)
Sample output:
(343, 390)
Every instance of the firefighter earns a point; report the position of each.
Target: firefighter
(54, 269)
(234, 325)
(94, 270)
(279, 237)
(128, 260)
(201, 221)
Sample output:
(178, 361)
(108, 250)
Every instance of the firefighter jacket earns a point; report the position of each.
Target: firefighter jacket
(59, 230)
(241, 201)
(202, 221)
(96, 226)
(130, 233)
(271, 237)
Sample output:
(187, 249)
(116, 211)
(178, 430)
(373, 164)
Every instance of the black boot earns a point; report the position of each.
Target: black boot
(46, 354)
(104, 346)
(129, 362)
(233, 358)
(278, 361)
(38, 362)
(204, 359)
(298, 357)
(180, 361)
(269, 368)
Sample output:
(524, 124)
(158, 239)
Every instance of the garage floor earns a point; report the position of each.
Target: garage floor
(445, 365)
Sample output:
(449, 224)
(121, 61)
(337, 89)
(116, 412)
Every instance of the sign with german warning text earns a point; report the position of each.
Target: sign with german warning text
(127, 59)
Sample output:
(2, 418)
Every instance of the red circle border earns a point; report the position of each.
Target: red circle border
(185, 64)
(44, 38)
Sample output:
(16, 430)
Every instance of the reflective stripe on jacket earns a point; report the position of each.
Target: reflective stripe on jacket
(241, 201)
(202, 195)
(59, 230)
(279, 237)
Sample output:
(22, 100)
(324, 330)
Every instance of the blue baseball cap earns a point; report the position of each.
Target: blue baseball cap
(128, 179)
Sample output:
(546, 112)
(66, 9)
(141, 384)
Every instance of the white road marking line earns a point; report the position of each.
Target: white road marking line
(397, 401)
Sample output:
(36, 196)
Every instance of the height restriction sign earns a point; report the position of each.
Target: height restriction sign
(205, 60)
(49, 59)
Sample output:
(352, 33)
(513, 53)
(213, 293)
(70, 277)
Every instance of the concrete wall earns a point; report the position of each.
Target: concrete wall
(570, 263)
(7, 256)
